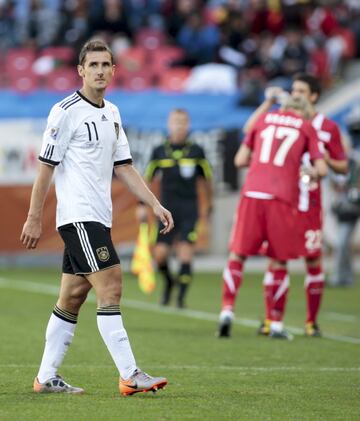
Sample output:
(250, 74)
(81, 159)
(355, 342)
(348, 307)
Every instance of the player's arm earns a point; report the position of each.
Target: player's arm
(243, 156)
(32, 228)
(338, 166)
(271, 97)
(205, 178)
(151, 175)
(135, 183)
(320, 168)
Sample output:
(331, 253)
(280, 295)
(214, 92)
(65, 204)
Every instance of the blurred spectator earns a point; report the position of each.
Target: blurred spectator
(112, 20)
(260, 39)
(7, 27)
(199, 40)
(75, 22)
(347, 206)
(177, 13)
(38, 22)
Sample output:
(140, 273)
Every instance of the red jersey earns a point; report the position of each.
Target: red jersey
(329, 135)
(278, 141)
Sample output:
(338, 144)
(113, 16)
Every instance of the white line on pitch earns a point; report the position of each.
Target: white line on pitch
(202, 367)
(340, 317)
(140, 305)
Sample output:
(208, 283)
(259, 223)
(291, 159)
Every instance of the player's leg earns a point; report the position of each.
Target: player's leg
(107, 284)
(92, 253)
(280, 289)
(314, 290)
(187, 215)
(268, 282)
(185, 251)
(246, 238)
(59, 334)
(161, 255)
(283, 245)
(232, 280)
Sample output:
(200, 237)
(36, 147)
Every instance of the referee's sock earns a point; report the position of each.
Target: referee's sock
(59, 335)
(169, 282)
(184, 279)
(114, 335)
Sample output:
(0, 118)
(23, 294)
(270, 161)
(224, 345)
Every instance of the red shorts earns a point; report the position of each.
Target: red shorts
(259, 220)
(311, 232)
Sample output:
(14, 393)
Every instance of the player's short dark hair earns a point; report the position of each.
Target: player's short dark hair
(94, 45)
(179, 111)
(312, 81)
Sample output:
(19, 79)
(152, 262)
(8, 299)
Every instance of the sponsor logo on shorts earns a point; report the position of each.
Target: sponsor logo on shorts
(103, 254)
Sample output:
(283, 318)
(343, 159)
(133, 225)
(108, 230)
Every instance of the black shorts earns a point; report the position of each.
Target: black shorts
(185, 216)
(88, 248)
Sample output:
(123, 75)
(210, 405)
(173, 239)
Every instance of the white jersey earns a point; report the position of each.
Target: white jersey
(85, 141)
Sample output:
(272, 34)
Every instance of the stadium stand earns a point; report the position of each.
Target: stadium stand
(262, 40)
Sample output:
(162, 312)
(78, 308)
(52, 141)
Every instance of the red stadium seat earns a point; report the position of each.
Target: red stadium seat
(174, 79)
(24, 82)
(62, 80)
(137, 81)
(64, 54)
(150, 38)
(132, 59)
(163, 57)
(19, 61)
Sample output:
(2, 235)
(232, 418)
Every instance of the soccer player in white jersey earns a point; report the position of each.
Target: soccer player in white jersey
(83, 144)
(310, 208)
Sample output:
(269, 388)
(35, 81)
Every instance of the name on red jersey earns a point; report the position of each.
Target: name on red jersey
(283, 120)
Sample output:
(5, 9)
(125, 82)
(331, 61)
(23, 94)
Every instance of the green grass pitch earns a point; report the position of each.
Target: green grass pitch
(244, 378)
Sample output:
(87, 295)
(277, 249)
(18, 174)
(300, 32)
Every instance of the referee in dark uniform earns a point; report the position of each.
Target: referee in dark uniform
(179, 165)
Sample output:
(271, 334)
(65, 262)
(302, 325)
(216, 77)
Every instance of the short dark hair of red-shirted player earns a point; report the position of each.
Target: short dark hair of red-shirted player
(312, 81)
(94, 45)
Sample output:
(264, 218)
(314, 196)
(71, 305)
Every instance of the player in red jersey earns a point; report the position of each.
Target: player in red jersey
(267, 210)
(310, 207)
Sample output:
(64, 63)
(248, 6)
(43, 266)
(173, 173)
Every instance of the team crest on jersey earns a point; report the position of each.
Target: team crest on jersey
(103, 254)
(117, 129)
(54, 132)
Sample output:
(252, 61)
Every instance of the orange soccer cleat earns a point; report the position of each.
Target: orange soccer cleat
(141, 382)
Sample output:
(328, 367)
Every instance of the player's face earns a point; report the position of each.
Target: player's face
(97, 70)
(178, 125)
(300, 88)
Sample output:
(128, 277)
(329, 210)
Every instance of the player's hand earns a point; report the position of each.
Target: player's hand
(31, 233)
(165, 217)
(274, 93)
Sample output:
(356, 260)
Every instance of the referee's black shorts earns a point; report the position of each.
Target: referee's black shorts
(88, 248)
(185, 215)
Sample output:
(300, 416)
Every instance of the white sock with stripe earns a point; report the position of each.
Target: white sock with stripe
(114, 335)
(59, 335)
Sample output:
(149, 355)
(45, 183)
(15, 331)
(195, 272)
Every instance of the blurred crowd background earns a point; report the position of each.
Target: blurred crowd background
(178, 44)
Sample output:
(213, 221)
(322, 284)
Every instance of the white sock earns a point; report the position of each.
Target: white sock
(276, 326)
(112, 330)
(226, 315)
(58, 337)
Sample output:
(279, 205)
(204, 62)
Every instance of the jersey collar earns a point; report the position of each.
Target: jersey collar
(90, 102)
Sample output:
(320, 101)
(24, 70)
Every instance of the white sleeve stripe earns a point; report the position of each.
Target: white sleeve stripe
(86, 246)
